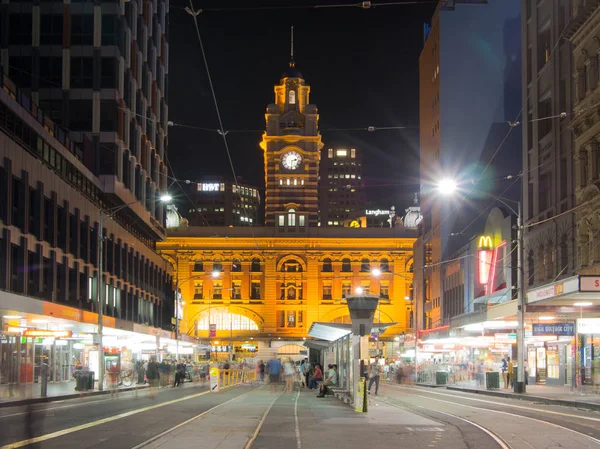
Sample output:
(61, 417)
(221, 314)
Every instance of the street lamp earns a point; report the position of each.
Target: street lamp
(448, 186)
(110, 212)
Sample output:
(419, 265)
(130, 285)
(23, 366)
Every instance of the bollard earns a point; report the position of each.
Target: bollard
(44, 379)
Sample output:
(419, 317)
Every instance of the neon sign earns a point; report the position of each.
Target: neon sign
(486, 254)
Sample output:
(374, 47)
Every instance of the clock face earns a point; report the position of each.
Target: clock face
(291, 160)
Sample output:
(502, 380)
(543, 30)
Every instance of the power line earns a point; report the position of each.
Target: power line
(360, 5)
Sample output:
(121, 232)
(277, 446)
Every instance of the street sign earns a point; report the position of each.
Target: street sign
(563, 329)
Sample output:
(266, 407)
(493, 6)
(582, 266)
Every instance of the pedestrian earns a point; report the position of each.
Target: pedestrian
(509, 375)
(505, 372)
(153, 376)
(274, 369)
(290, 372)
(262, 367)
(374, 375)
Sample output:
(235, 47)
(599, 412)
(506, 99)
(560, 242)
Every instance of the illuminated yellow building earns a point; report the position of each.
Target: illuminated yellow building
(270, 284)
(266, 285)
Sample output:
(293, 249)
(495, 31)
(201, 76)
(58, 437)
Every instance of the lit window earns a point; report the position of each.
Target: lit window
(301, 221)
(330, 153)
(302, 181)
(223, 320)
(335, 176)
(287, 181)
(352, 153)
(295, 182)
(281, 182)
(347, 176)
(330, 223)
(90, 288)
(222, 187)
(292, 97)
(292, 217)
(353, 176)
(281, 220)
(251, 220)
(341, 153)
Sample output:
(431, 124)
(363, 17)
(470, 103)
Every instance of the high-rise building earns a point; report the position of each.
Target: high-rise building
(467, 97)
(100, 70)
(548, 157)
(292, 145)
(83, 131)
(341, 188)
(224, 203)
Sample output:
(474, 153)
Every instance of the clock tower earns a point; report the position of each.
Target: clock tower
(291, 145)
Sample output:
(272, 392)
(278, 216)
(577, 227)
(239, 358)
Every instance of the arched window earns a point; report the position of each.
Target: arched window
(292, 217)
(236, 265)
(292, 97)
(346, 266)
(365, 266)
(255, 265)
(224, 320)
(327, 267)
(217, 265)
(198, 265)
(384, 266)
(291, 266)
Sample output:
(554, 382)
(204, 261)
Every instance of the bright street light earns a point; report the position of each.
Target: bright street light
(407, 298)
(166, 198)
(376, 272)
(447, 186)
(216, 274)
(359, 290)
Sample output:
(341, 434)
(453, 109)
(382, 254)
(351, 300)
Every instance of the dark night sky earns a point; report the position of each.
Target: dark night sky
(362, 66)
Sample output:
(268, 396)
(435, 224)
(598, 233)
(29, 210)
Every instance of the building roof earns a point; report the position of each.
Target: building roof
(292, 72)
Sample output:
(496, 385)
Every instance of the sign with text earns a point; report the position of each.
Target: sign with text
(589, 283)
(213, 330)
(588, 326)
(377, 212)
(558, 329)
(40, 333)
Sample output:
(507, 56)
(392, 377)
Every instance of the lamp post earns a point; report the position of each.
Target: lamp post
(99, 287)
(447, 187)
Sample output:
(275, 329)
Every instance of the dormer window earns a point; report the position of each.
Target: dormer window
(292, 97)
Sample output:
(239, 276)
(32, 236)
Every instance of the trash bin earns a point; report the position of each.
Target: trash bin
(492, 380)
(90, 380)
(441, 377)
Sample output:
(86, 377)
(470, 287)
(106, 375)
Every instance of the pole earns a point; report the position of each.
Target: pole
(177, 309)
(230, 337)
(520, 381)
(99, 294)
(416, 301)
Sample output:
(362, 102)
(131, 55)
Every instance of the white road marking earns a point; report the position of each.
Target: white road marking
(63, 432)
(260, 424)
(298, 441)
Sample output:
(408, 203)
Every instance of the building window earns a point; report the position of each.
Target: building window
(292, 97)
(226, 321)
(236, 265)
(198, 265)
(330, 153)
(281, 220)
(255, 290)
(291, 318)
(327, 291)
(82, 29)
(291, 217)
(384, 290)
(346, 266)
(236, 289)
(544, 47)
(255, 265)
(217, 290)
(544, 111)
(365, 266)
(198, 290)
(301, 221)
(384, 266)
(218, 265)
(327, 266)
(352, 153)
(346, 288)
(51, 29)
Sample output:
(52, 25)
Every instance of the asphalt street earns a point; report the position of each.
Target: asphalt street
(253, 417)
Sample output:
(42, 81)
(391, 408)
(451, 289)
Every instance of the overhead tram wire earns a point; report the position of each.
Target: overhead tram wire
(194, 15)
(360, 5)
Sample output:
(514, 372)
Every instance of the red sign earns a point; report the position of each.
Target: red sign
(213, 331)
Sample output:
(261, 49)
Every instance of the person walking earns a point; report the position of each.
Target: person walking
(274, 369)
(374, 375)
(509, 375)
(153, 376)
(290, 373)
(262, 367)
(505, 372)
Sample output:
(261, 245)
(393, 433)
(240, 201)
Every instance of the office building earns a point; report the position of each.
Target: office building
(341, 188)
(467, 98)
(224, 203)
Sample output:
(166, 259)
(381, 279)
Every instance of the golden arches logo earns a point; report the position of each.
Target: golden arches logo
(485, 242)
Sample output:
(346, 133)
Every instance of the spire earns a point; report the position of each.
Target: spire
(292, 62)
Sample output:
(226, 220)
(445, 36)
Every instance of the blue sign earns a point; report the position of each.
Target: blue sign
(558, 329)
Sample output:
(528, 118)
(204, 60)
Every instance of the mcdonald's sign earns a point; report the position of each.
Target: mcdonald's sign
(486, 253)
(485, 243)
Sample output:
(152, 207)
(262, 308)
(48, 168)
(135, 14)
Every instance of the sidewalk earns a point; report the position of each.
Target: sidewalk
(298, 420)
(31, 393)
(583, 397)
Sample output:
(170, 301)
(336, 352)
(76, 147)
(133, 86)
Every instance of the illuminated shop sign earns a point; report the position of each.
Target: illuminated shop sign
(486, 254)
(39, 333)
(377, 212)
(541, 329)
(210, 187)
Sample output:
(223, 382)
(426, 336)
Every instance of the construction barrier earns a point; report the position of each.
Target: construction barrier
(226, 378)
